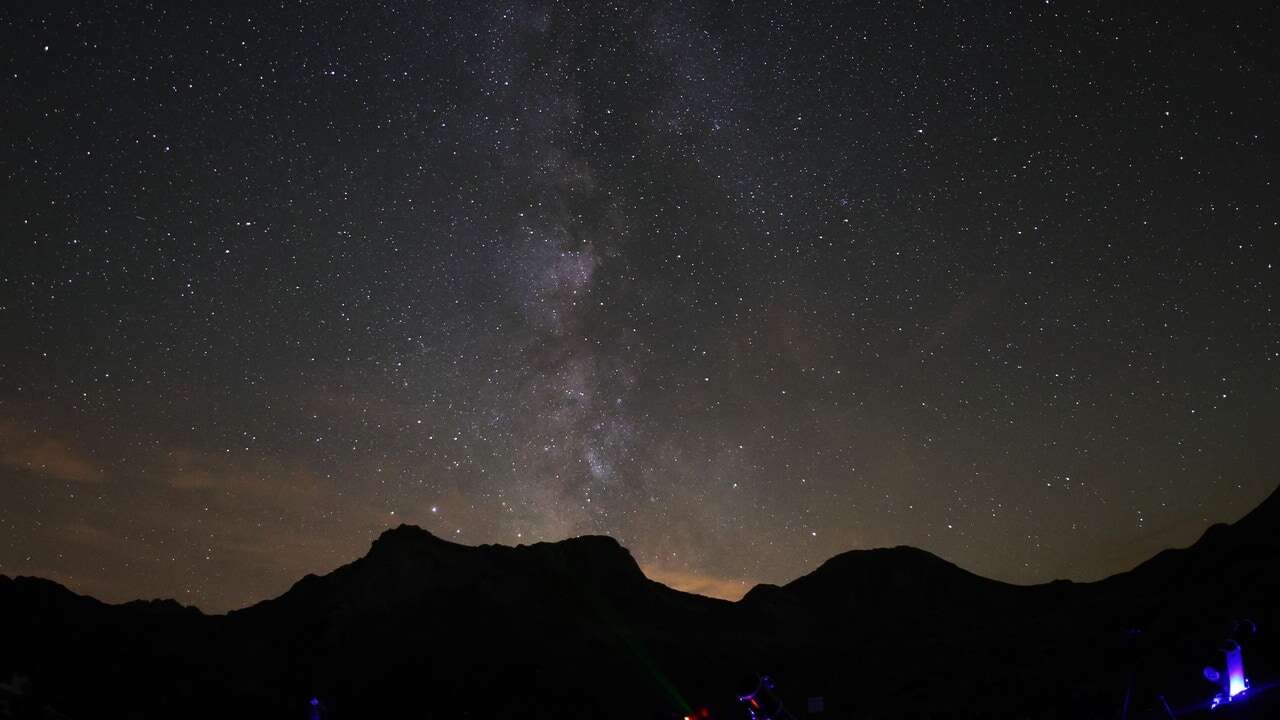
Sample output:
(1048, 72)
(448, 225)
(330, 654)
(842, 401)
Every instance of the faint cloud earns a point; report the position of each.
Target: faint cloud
(269, 482)
(45, 456)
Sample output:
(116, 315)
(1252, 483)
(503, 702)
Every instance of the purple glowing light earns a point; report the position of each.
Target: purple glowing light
(1236, 681)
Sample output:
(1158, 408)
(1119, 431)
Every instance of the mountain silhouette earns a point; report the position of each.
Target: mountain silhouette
(431, 628)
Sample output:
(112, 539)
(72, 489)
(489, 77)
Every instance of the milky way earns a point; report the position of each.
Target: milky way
(743, 286)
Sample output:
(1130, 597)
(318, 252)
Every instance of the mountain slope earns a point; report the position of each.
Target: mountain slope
(574, 629)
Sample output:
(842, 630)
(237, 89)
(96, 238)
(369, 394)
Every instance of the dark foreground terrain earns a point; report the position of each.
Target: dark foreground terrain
(420, 627)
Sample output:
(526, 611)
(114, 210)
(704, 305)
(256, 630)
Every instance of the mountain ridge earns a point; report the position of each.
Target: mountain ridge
(407, 537)
(575, 629)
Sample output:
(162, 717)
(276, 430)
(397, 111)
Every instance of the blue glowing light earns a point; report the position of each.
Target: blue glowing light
(1236, 682)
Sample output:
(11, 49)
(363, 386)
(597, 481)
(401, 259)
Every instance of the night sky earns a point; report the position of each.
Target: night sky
(741, 285)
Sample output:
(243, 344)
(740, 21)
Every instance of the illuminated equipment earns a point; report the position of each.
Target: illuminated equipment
(1232, 679)
(763, 704)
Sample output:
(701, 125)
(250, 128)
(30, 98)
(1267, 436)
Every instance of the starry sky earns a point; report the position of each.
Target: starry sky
(743, 285)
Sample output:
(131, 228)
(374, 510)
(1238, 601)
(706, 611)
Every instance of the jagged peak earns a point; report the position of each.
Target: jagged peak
(167, 606)
(42, 584)
(592, 541)
(406, 536)
(411, 541)
(405, 532)
(596, 549)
